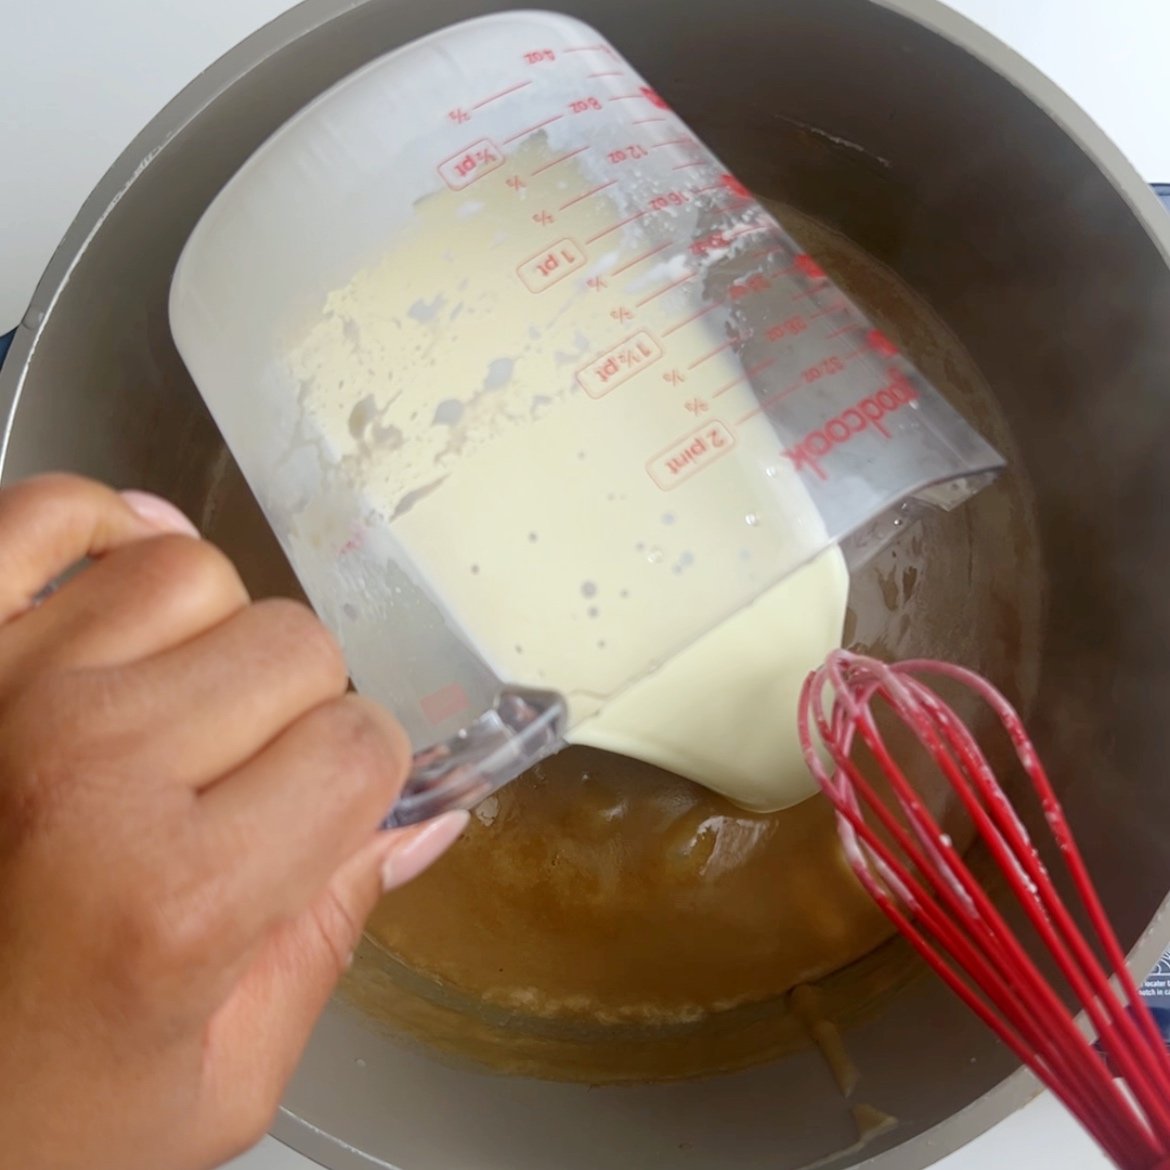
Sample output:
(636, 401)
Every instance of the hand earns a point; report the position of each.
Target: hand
(188, 803)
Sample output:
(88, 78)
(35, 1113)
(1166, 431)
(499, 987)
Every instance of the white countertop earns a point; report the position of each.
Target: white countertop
(78, 80)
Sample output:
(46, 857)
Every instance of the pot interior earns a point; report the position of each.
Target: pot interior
(977, 231)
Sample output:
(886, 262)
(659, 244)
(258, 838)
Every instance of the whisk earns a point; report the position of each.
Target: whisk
(918, 877)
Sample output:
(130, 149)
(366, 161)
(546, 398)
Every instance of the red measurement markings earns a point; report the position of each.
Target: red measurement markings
(691, 319)
(830, 367)
(542, 217)
(809, 267)
(771, 400)
(876, 340)
(826, 368)
(583, 105)
(645, 121)
(515, 182)
(756, 283)
(674, 377)
(588, 194)
(627, 154)
(827, 312)
(495, 97)
(596, 283)
(711, 353)
(696, 406)
(790, 327)
(667, 199)
(471, 163)
(662, 291)
(621, 313)
(644, 256)
(614, 227)
(550, 265)
(710, 243)
(749, 373)
(609, 370)
(588, 49)
(537, 56)
(646, 93)
(719, 240)
(459, 115)
(732, 184)
(685, 141)
(690, 454)
(866, 413)
(532, 129)
(557, 161)
(699, 162)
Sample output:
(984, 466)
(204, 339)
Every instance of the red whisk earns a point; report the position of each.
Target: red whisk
(915, 874)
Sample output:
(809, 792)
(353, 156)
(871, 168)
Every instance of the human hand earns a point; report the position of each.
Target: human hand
(188, 802)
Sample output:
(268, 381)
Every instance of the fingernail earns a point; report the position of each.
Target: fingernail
(419, 847)
(159, 513)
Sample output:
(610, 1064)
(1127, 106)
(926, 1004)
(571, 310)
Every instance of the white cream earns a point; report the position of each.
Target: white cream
(723, 711)
(578, 515)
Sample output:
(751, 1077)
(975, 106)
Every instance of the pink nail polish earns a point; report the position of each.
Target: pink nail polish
(159, 513)
(416, 848)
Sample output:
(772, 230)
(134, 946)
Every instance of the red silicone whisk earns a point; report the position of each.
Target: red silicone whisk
(915, 874)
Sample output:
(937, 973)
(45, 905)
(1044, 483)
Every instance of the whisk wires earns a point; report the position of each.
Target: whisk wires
(916, 875)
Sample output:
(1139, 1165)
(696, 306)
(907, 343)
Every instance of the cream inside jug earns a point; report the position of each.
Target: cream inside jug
(406, 378)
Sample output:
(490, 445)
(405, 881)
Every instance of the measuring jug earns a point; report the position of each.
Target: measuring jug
(533, 392)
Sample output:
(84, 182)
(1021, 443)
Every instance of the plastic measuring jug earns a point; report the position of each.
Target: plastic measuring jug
(532, 390)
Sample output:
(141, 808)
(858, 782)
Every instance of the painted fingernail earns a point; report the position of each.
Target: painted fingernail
(159, 513)
(416, 848)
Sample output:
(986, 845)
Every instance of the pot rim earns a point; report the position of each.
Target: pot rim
(309, 16)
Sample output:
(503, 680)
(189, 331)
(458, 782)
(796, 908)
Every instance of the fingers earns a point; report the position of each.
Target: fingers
(137, 601)
(257, 1037)
(283, 663)
(50, 523)
(284, 822)
(159, 513)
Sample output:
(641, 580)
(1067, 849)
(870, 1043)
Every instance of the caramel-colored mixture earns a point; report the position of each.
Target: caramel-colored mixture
(600, 889)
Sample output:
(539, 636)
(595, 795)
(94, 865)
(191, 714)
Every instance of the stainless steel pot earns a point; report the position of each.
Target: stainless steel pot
(950, 160)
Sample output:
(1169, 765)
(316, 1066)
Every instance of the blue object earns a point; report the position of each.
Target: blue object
(5, 342)
(1162, 1019)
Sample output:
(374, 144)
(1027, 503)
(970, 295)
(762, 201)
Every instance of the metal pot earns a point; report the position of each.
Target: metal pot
(982, 187)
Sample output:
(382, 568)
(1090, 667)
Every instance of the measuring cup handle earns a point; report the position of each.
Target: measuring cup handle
(523, 727)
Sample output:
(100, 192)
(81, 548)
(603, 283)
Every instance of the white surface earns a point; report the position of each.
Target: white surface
(78, 81)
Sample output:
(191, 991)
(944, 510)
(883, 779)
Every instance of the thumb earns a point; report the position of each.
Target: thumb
(256, 1038)
(326, 933)
(51, 523)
